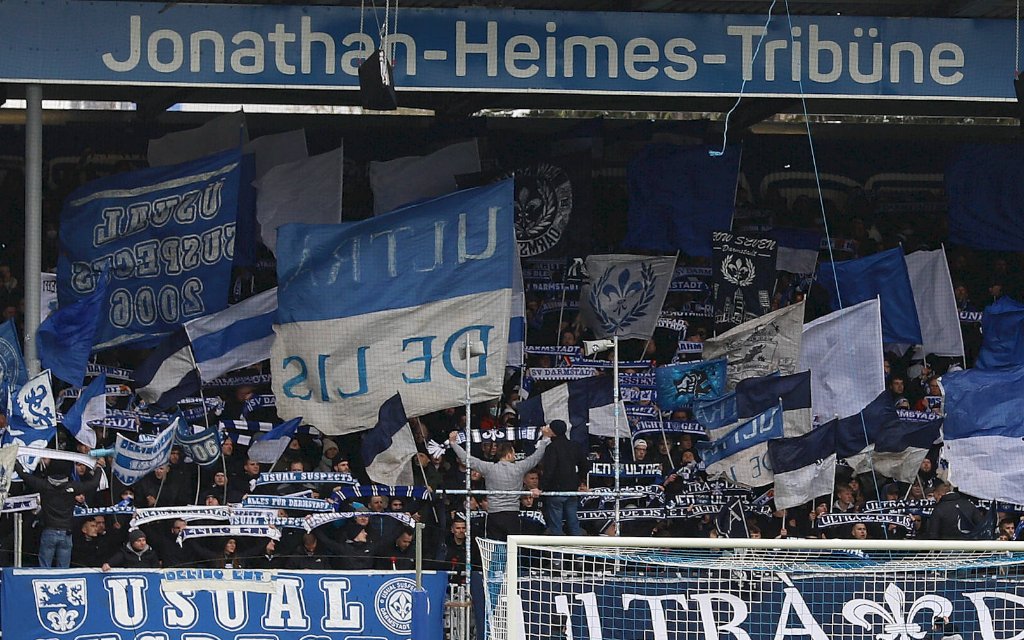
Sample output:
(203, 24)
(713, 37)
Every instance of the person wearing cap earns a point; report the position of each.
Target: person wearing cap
(134, 555)
(504, 475)
(640, 450)
(565, 469)
(57, 499)
(329, 457)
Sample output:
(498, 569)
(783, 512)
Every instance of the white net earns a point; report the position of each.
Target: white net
(648, 590)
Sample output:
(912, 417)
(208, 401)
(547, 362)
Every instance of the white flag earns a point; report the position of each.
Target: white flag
(936, 305)
(277, 149)
(35, 404)
(843, 351)
(624, 294)
(307, 191)
(8, 456)
(761, 346)
(220, 134)
(405, 180)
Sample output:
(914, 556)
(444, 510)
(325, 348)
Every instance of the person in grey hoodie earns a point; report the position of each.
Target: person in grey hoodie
(504, 475)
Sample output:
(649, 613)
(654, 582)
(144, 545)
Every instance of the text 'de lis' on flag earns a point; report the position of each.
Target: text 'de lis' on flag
(741, 455)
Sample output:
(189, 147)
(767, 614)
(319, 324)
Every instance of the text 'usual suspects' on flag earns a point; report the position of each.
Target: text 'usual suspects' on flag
(387, 304)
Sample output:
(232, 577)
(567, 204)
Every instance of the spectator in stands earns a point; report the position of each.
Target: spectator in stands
(565, 469)
(454, 552)
(57, 499)
(88, 549)
(269, 559)
(504, 475)
(859, 531)
(400, 555)
(954, 517)
(1007, 528)
(844, 500)
(309, 556)
(136, 554)
(165, 542)
(640, 450)
(897, 390)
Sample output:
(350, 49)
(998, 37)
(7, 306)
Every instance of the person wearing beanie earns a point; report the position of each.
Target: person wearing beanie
(504, 475)
(134, 555)
(57, 499)
(565, 469)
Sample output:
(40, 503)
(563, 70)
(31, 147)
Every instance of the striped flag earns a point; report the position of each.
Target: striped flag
(239, 336)
(388, 447)
(804, 466)
(741, 455)
(90, 406)
(169, 373)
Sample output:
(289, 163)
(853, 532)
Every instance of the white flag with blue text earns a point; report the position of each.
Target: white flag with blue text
(741, 455)
(624, 294)
(383, 305)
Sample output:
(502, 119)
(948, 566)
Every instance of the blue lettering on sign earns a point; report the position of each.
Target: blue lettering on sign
(497, 50)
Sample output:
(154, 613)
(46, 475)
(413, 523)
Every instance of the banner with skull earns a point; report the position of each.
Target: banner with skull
(744, 278)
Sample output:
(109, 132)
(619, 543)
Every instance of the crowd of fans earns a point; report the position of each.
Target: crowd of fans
(54, 537)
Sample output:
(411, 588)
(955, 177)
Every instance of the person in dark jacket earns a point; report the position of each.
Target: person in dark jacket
(399, 555)
(565, 469)
(954, 517)
(134, 555)
(165, 542)
(269, 559)
(88, 549)
(57, 498)
(309, 556)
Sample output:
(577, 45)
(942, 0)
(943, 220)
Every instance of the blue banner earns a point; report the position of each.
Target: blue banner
(76, 605)
(167, 236)
(763, 604)
(680, 385)
(203, 447)
(503, 50)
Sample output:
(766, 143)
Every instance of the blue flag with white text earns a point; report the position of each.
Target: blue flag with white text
(12, 365)
(168, 234)
(66, 337)
(883, 275)
(741, 455)
(386, 304)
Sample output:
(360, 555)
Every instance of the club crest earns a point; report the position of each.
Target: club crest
(61, 605)
(738, 270)
(622, 301)
(544, 200)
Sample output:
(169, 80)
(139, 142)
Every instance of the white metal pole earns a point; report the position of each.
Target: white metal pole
(33, 219)
(618, 451)
(514, 605)
(469, 485)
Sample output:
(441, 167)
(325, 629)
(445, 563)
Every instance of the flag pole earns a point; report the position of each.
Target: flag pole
(618, 451)
(469, 476)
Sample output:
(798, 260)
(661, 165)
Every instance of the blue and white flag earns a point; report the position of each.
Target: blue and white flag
(168, 373)
(843, 352)
(34, 404)
(1002, 335)
(388, 447)
(804, 466)
(884, 276)
(984, 432)
(798, 249)
(65, 338)
(624, 294)
(168, 236)
(716, 414)
(936, 305)
(680, 385)
(25, 437)
(741, 455)
(578, 403)
(91, 406)
(272, 444)
(200, 444)
(899, 451)
(755, 395)
(12, 365)
(133, 460)
(386, 304)
(236, 337)
(731, 522)
(856, 434)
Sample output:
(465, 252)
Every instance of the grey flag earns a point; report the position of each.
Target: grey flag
(624, 294)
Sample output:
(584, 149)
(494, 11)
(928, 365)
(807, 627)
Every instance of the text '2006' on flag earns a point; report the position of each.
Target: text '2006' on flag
(387, 304)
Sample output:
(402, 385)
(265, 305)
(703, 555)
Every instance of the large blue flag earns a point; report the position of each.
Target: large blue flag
(984, 432)
(741, 455)
(680, 385)
(388, 304)
(985, 190)
(883, 275)
(12, 365)
(67, 335)
(168, 236)
(1002, 335)
(678, 196)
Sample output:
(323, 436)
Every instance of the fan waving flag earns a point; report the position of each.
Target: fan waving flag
(66, 337)
(578, 403)
(272, 445)
(91, 406)
(388, 447)
(884, 276)
(624, 294)
(387, 304)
